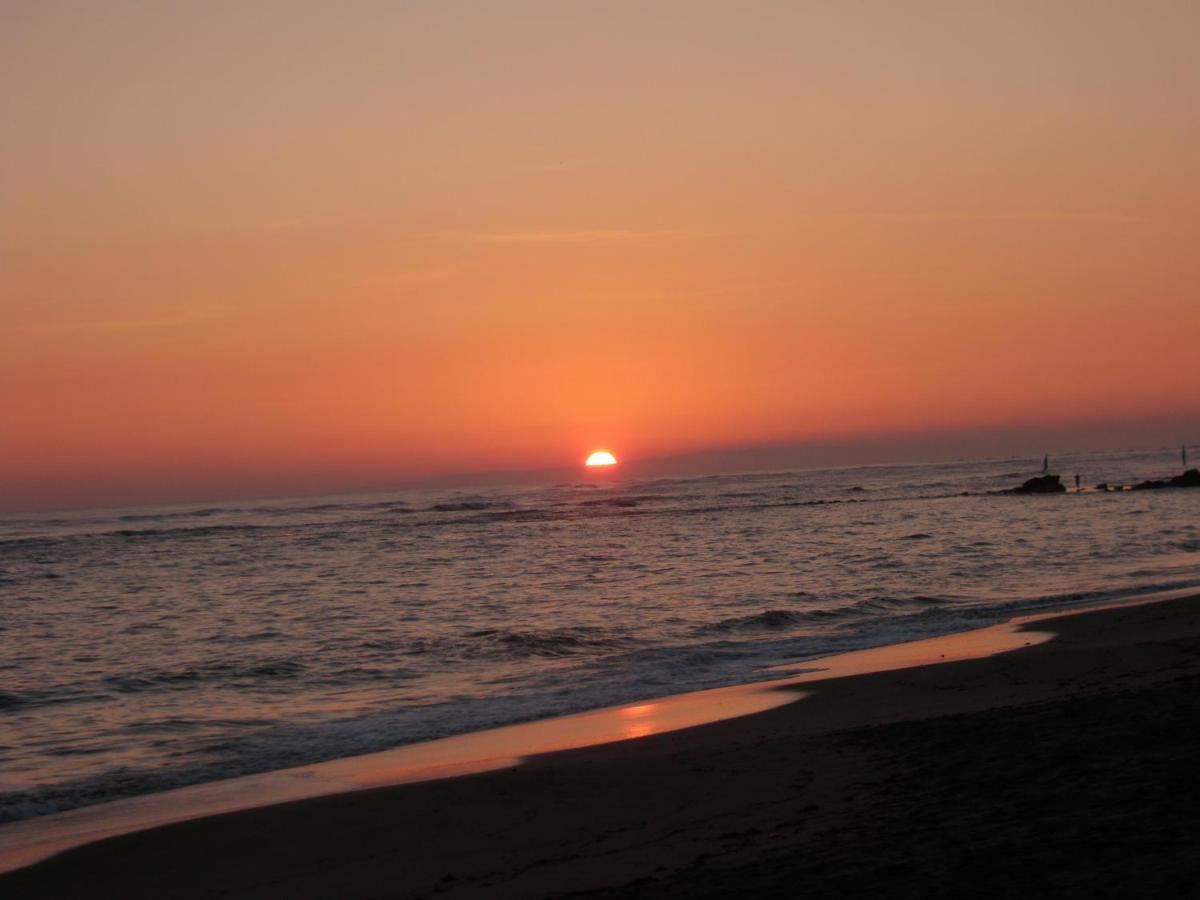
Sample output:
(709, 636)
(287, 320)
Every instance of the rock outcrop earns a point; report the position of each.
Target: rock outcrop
(1190, 478)
(1043, 484)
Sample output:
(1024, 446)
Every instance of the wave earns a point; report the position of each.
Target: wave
(782, 619)
(394, 505)
(31, 543)
(503, 643)
(470, 505)
(117, 783)
(767, 620)
(154, 680)
(184, 531)
(190, 514)
(207, 512)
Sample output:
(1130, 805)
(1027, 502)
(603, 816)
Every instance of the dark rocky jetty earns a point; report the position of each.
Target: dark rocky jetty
(1052, 484)
(1043, 484)
(1190, 478)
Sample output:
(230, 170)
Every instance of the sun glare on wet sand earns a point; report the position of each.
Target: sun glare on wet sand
(601, 458)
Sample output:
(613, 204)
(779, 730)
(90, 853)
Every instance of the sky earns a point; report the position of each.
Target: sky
(251, 248)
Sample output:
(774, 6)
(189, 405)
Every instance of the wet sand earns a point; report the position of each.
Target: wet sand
(1067, 766)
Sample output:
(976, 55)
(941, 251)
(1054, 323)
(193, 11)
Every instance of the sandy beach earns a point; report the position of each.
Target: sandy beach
(1065, 766)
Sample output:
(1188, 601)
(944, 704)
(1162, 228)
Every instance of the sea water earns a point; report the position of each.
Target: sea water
(142, 649)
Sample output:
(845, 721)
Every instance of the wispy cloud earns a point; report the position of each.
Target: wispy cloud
(1029, 215)
(719, 289)
(419, 277)
(572, 164)
(178, 319)
(289, 223)
(588, 236)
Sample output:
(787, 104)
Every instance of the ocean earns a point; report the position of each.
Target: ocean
(144, 649)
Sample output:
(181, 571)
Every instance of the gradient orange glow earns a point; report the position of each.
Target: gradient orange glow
(297, 248)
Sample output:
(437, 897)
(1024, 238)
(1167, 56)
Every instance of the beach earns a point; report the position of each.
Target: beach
(1062, 766)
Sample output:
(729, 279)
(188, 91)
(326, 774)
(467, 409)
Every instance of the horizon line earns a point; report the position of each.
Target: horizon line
(539, 474)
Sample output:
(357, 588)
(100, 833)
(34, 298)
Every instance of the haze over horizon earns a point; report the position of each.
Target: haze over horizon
(290, 248)
(1021, 443)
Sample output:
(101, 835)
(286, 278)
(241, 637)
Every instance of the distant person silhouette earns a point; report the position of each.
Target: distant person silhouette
(1077, 482)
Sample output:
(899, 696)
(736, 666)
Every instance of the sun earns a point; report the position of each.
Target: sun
(601, 458)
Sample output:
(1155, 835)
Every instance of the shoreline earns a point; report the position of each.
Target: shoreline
(667, 719)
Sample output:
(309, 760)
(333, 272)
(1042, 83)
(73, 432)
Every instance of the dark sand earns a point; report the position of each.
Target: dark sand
(1069, 767)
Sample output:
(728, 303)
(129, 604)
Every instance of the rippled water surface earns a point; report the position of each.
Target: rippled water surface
(142, 649)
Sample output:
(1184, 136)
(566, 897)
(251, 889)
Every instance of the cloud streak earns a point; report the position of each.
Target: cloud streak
(1033, 215)
(586, 236)
(180, 319)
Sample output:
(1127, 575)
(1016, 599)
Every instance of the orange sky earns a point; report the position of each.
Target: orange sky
(308, 245)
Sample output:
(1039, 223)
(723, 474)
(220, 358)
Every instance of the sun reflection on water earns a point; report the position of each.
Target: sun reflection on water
(638, 721)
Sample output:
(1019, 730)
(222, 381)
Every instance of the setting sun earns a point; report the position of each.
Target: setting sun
(601, 458)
